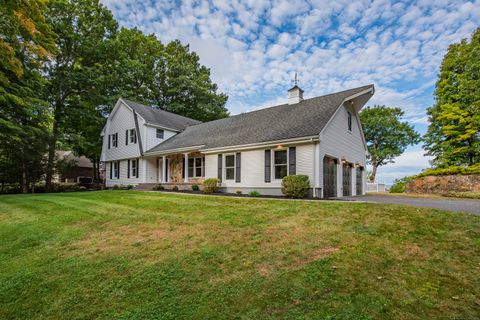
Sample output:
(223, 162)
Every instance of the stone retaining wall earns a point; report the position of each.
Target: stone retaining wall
(444, 184)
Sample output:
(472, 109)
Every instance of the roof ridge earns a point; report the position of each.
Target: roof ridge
(159, 109)
(281, 105)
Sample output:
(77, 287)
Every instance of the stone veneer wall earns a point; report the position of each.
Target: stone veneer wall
(444, 184)
(175, 169)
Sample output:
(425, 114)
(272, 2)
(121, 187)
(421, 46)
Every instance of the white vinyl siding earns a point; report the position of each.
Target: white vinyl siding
(119, 122)
(253, 168)
(338, 142)
(151, 139)
(147, 168)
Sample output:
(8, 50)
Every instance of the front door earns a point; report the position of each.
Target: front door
(347, 179)
(329, 177)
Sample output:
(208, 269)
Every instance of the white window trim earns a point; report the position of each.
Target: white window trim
(113, 145)
(156, 133)
(131, 136)
(234, 166)
(202, 166)
(273, 163)
(132, 173)
(116, 170)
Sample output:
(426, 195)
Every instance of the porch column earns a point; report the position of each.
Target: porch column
(164, 169)
(185, 166)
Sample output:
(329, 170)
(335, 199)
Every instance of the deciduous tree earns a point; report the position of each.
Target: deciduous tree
(386, 135)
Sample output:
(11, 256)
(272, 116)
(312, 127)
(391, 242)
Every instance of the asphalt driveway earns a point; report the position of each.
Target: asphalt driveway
(467, 205)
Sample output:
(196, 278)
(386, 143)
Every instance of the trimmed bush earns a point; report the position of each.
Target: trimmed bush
(239, 192)
(295, 186)
(195, 187)
(211, 185)
(254, 193)
(473, 169)
(159, 187)
(129, 187)
(175, 188)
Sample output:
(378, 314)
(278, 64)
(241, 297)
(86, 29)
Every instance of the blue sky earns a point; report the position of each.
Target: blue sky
(254, 47)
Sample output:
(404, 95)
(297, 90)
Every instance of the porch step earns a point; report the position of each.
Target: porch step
(146, 186)
(167, 186)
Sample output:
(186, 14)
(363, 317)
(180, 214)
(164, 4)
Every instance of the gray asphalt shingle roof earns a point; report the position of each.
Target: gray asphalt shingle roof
(161, 117)
(303, 119)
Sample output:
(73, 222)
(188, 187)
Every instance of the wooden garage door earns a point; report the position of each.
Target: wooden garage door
(359, 181)
(347, 179)
(329, 177)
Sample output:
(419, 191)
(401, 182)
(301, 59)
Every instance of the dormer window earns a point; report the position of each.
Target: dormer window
(132, 136)
(160, 133)
(349, 121)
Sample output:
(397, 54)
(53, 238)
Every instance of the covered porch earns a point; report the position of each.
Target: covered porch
(182, 170)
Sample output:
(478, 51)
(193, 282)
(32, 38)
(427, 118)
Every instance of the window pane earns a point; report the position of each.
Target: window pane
(230, 161)
(198, 162)
(281, 157)
(159, 133)
(230, 173)
(190, 162)
(198, 171)
(190, 171)
(280, 172)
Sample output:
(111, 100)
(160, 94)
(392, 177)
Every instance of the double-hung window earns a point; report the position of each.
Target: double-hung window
(114, 140)
(230, 167)
(134, 165)
(196, 167)
(280, 164)
(116, 171)
(132, 136)
(160, 134)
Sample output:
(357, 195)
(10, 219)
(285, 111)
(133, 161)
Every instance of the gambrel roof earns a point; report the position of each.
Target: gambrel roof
(286, 121)
(162, 118)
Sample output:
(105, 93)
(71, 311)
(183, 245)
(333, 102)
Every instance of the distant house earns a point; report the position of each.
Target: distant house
(319, 137)
(71, 168)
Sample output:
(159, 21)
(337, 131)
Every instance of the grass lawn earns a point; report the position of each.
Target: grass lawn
(143, 255)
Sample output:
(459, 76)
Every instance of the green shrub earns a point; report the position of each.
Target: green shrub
(65, 187)
(129, 187)
(195, 187)
(211, 185)
(399, 185)
(175, 188)
(473, 169)
(239, 192)
(159, 187)
(116, 187)
(254, 193)
(295, 186)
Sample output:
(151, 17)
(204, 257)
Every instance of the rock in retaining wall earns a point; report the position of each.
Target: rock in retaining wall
(444, 184)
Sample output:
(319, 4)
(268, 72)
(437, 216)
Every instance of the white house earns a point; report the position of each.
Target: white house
(319, 137)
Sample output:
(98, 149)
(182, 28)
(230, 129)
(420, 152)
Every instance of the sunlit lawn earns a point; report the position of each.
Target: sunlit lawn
(143, 255)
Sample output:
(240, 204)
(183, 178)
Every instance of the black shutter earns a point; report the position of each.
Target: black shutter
(238, 166)
(109, 138)
(111, 167)
(268, 166)
(292, 161)
(166, 169)
(219, 173)
(126, 137)
(183, 167)
(128, 169)
(135, 136)
(118, 172)
(138, 166)
(116, 143)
